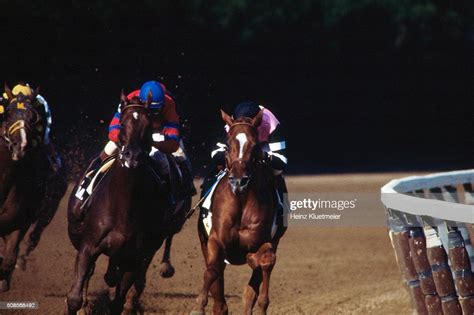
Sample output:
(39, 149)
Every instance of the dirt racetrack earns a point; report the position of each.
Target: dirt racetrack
(318, 270)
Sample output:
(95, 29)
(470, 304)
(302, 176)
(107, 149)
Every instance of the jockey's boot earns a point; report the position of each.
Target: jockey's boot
(53, 157)
(166, 177)
(186, 173)
(281, 191)
(207, 184)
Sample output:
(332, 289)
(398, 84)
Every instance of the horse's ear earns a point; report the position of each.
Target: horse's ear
(257, 120)
(8, 92)
(149, 99)
(34, 94)
(123, 100)
(226, 118)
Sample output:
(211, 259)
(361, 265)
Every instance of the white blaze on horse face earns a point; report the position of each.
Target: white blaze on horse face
(23, 136)
(242, 138)
(135, 115)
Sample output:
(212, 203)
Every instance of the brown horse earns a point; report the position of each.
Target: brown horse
(243, 209)
(30, 191)
(127, 218)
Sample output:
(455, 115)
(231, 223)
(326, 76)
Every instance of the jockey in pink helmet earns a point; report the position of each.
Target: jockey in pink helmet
(272, 143)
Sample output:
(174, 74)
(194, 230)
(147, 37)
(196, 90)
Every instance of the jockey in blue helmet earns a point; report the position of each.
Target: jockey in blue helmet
(166, 136)
(158, 93)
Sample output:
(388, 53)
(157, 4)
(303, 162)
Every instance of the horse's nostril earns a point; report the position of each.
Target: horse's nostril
(244, 181)
(127, 154)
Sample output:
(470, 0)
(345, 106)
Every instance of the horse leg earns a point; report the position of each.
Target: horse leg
(127, 278)
(214, 270)
(131, 300)
(86, 287)
(111, 275)
(251, 291)
(266, 262)
(10, 254)
(46, 215)
(85, 261)
(217, 292)
(166, 269)
(135, 292)
(24, 249)
(30, 241)
(217, 288)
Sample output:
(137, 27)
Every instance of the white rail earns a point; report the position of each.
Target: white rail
(394, 196)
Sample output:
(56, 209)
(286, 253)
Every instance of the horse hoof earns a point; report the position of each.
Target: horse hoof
(166, 270)
(21, 263)
(4, 286)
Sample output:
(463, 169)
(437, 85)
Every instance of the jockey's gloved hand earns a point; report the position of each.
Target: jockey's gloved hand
(267, 158)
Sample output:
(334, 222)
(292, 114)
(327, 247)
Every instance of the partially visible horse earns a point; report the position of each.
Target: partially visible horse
(30, 190)
(243, 213)
(127, 217)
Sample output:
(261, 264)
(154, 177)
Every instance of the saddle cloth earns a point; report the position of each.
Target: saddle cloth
(86, 190)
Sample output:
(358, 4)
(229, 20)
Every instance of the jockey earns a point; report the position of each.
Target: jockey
(44, 129)
(272, 143)
(166, 137)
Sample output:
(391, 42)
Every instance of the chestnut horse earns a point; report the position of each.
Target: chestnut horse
(243, 211)
(30, 190)
(127, 218)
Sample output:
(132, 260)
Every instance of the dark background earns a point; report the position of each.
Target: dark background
(358, 85)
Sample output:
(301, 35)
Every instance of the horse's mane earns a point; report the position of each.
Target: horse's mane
(135, 101)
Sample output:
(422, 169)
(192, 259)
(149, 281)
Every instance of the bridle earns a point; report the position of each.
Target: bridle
(241, 160)
(243, 123)
(124, 109)
(20, 124)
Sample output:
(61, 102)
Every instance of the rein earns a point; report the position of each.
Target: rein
(243, 123)
(134, 105)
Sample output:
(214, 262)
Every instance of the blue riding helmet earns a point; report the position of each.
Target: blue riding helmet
(246, 109)
(157, 92)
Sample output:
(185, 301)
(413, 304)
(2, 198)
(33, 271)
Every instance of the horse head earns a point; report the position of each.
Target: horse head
(135, 132)
(19, 117)
(243, 150)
